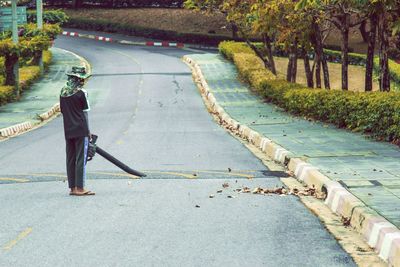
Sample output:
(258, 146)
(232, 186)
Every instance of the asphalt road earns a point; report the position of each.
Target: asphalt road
(147, 112)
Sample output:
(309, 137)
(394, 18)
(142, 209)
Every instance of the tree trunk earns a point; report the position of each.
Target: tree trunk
(370, 54)
(259, 54)
(345, 53)
(9, 66)
(307, 68)
(77, 3)
(291, 62)
(289, 68)
(269, 63)
(234, 30)
(36, 57)
(363, 31)
(318, 71)
(384, 76)
(319, 49)
(294, 63)
(325, 70)
(268, 47)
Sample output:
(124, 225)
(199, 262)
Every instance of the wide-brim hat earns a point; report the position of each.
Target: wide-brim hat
(79, 71)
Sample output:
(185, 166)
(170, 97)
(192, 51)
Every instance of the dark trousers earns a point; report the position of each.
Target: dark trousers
(76, 149)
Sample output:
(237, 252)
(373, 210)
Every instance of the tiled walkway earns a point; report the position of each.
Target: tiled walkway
(369, 169)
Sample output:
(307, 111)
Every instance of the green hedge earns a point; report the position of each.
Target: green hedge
(6, 94)
(28, 74)
(107, 26)
(49, 16)
(373, 113)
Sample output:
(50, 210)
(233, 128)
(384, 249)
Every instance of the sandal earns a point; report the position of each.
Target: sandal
(85, 193)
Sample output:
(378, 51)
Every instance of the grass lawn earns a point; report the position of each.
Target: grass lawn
(356, 74)
(173, 19)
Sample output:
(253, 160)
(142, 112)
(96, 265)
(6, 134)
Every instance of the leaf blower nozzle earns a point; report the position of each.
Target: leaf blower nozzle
(94, 148)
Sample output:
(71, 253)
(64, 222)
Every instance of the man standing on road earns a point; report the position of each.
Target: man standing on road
(74, 106)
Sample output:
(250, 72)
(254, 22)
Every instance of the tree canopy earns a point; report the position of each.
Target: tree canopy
(302, 26)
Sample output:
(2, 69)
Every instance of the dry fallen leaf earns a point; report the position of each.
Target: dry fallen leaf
(258, 190)
(345, 221)
(290, 173)
(246, 190)
(280, 191)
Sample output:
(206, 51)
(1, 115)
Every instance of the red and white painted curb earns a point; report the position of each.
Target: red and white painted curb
(380, 234)
(98, 38)
(165, 44)
(72, 34)
(107, 39)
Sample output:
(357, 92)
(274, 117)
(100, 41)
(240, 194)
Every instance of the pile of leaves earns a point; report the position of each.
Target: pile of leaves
(282, 191)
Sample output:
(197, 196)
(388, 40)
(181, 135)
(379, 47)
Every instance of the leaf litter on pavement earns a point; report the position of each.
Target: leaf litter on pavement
(281, 191)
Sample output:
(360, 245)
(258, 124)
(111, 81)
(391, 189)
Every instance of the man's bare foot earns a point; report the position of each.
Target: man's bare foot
(73, 191)
(83, 192)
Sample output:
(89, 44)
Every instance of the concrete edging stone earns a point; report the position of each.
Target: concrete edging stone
(379, 233)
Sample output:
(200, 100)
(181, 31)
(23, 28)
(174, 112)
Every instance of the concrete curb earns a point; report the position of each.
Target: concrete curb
(52, 112)
(125, 42)
(380, 234)
(16, 129)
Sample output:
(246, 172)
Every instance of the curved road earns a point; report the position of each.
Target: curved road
(147, 111)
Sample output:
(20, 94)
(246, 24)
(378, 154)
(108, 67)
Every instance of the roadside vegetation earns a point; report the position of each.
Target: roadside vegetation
(302, 27)
(33, 44)
(158, 23)
(356, 74)
(373, 113)
(298, 30)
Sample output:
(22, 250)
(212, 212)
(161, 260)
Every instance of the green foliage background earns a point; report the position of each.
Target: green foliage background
(374, 113)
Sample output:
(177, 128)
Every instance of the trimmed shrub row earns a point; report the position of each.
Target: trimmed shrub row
(49, 16)
(6, 94)
(373, 113)
(28, 74)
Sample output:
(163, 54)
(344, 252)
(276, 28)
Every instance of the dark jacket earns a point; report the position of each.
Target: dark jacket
(73, 107)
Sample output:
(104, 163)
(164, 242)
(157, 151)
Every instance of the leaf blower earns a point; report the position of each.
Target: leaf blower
(94, 148)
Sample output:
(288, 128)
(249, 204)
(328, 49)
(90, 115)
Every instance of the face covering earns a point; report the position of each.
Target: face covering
(72, 86)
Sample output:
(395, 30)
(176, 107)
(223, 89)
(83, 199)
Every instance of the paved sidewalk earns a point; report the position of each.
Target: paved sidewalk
(42, 95)
(368, 169)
